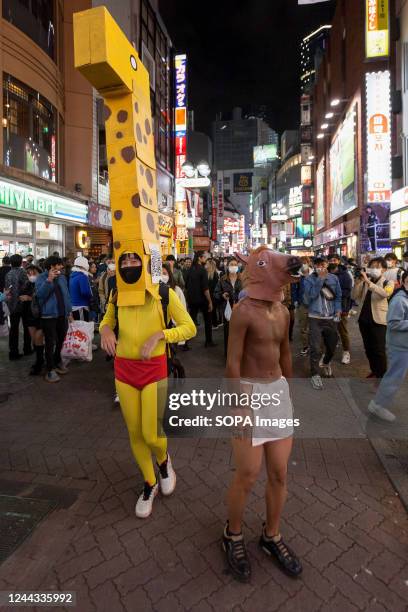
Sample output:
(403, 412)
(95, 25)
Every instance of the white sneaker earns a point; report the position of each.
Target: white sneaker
(317, 382)
(327, 369)
(346, 358)
(144, 504)
(116, 399)
(380, 412)
(167, 477)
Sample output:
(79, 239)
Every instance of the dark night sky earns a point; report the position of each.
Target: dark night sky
(243, 52)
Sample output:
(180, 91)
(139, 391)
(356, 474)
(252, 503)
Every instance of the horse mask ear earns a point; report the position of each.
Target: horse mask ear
(241, 258)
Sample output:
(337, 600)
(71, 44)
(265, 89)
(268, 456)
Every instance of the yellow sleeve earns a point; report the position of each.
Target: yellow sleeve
(109, 318)
(185, 328)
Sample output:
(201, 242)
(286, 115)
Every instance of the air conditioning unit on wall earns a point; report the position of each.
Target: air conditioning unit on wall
(150, 65)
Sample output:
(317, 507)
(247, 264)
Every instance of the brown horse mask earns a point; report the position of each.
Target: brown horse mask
(268, 272)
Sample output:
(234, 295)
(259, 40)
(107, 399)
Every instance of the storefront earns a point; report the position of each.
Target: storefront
(34, 221)
(399, 222)
(166, 230)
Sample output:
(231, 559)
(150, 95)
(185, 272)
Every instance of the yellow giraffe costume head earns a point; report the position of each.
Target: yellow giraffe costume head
(110, 63)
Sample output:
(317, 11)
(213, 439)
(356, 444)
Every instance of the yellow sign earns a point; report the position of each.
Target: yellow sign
(82, 239)
(377, 28)
(165, 225)
(404, 224)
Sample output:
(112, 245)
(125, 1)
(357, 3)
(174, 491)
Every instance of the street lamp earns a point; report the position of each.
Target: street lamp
(320, 136)
(203, 168)
(324, 126)
(188, 169)
(335, 102)
(329, 115)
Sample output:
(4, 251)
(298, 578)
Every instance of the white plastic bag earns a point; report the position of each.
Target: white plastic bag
(4, 328)
(228, 311)
(78, 341)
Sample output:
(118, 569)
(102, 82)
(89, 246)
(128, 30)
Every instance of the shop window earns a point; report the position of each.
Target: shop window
(35, 18)
(29, 130)
(24, 228)
(48, 231)
(6, 226)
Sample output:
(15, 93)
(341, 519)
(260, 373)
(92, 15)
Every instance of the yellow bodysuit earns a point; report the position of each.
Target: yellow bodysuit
(142, 408)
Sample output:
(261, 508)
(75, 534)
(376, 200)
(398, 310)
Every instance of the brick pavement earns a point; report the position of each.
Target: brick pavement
(65, 441)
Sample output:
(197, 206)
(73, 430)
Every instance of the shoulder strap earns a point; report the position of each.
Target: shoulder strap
(164, 293)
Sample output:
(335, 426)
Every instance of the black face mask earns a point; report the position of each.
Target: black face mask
(131, 274)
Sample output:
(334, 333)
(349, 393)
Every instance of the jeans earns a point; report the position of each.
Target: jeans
(15, 319)
(55, 331)
(207, 316)
(373, 335)
(318, 329)
(393, 378)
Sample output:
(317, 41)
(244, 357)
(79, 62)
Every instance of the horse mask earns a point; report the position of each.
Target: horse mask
(268, 272)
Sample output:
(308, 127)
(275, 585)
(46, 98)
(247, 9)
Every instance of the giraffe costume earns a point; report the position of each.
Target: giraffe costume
(110, 63)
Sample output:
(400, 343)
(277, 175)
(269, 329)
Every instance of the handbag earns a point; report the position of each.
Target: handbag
(228, 311)
(78, 341)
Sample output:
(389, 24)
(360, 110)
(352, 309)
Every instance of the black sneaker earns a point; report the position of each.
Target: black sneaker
(285, 557)
(236, 554)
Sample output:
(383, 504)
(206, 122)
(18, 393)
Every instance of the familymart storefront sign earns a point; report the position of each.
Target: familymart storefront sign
(17, 197)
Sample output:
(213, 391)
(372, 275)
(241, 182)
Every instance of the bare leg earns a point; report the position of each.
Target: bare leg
(276, 456)
(248, 461)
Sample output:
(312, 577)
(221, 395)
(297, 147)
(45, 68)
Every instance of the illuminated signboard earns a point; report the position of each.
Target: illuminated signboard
(306, 175)
(295, 195)
(377, 28)
(320, 190)
(343, 161)
(243, 182)
(180, 122)
(265, 154)
(220, 200)
(379, 176)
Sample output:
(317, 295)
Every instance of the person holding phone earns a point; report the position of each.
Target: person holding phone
(15, 280)
(56, 309)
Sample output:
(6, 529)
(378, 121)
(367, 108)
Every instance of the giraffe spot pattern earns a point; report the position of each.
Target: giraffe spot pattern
(150, 222)
(106, 112)
(145, 139)
(150, 202)
(139, 133)
(128, 154)
(147, 127)
(112, 160)
(122, 116)
(118, 214)
(157, 236)
(141, 170)
(149, 178)
(116, 244)
(144, 196)
(136, 107)
(136, 200)
(119, 134)
(149, 267)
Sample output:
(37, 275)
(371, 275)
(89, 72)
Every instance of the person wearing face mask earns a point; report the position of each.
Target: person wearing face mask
(346, 286)
(301, 314)
(198, 294)
(31, 316)
(322, 295)
(107, 283)
(393, 273)
(227, 292)
(80, 289)
(168, 279)
(397, 352)
(372, 291)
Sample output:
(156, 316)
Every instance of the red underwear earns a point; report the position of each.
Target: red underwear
(139, 373)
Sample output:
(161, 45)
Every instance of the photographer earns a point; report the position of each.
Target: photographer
(372, 291)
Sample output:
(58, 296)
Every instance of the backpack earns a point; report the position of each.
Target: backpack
(174, 365)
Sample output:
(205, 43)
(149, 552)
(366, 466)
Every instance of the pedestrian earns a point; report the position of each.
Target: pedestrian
(168, 279)
(322, 296)
(227, 293)
(28, 260)
(301, 313)
(394, 272)
(176, 272)
(80, 289)
(198, 294)
(213, 278)
(397, 353)
(346, 286)
(288, 301)
(4, 270)
(404, 261)
(371, 291)
(107, 283)
(103, 264)
(94, 306)
(31, 317)
(186, 268)
(15, 280)
(55, 306)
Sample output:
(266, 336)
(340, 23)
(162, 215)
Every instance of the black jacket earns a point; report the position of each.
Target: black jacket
(3, 272)
(225, 286)
(196, 285)
(346, 286)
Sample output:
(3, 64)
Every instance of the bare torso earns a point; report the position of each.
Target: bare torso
(266, 327)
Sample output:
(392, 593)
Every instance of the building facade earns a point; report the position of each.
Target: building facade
(45, 141)
(354, 133)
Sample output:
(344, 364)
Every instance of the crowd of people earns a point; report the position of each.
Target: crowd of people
(44, 296)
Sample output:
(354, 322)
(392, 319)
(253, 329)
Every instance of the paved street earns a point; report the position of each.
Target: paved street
(66, 443)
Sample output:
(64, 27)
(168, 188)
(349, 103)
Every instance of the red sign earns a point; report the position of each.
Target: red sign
(214, 216)
(181, 145)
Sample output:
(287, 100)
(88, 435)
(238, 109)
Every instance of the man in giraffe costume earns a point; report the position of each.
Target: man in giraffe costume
(109, 62)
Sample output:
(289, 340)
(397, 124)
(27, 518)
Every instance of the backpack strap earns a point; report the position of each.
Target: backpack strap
(164, 293)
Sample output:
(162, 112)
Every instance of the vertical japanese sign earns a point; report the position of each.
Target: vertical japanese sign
(379, 176)
(377, 28)
(214, 219)
(180, 123)
(220, 201)
(241, 234)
